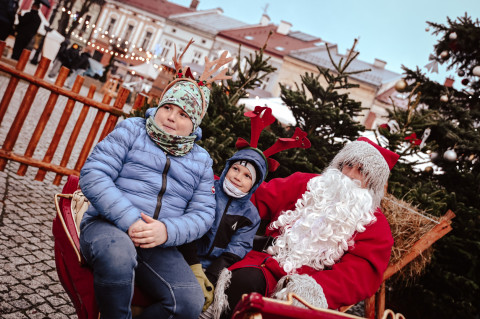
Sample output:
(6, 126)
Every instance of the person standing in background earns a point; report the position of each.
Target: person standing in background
(26, 29)
(59, 58)
(8, 9)
(79, 66)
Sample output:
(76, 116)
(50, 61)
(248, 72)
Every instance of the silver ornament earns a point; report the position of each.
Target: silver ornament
(444, 98)
(427, 29)
(450, 155)
(433, 156)
(444, 55)
(476, 70)
(452, 36)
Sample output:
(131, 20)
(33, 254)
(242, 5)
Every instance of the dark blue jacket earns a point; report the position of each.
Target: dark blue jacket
(236, 221)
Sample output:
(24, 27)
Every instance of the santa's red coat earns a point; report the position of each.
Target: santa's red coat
(356, 276)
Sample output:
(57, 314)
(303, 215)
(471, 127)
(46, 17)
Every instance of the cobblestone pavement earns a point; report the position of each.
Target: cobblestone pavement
(29, 285)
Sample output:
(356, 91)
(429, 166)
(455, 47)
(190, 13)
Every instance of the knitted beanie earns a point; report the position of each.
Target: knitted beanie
(376, 164)
(190, 97)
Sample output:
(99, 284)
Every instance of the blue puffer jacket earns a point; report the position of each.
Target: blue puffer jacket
(236, 222)
(127, 173)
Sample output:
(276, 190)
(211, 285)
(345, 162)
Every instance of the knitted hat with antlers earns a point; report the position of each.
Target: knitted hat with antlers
(260, 118)
(190, 95)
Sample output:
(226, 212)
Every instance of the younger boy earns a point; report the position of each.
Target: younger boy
(236, 220)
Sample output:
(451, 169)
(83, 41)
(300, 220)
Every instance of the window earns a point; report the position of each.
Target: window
(128, 33)
(85, 23)
(196, 57)
(111, 25)
(166, 48)
(265, 83)
(146, 40)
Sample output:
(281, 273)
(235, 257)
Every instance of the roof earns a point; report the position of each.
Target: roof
(160, 8)
(278, 45)
(210, 21)
(319, 56)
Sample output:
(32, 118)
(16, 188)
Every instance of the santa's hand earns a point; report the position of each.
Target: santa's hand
(271, 251)
(152, 233)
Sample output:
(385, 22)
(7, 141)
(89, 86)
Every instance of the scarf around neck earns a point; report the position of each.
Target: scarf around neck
(175, 145)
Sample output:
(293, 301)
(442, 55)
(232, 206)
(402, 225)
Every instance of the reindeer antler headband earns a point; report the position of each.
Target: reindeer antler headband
(205, 78)
(260, 118)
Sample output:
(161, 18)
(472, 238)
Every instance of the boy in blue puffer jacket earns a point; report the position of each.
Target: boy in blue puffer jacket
(151, 189)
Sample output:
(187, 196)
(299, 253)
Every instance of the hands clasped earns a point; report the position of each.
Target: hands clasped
(147, 232)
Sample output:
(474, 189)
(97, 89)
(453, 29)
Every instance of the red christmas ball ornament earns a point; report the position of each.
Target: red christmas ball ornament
(461, 73)
(384, 128)
(465, 81)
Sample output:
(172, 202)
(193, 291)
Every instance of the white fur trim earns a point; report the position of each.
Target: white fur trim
(304, 287)
(220, 301)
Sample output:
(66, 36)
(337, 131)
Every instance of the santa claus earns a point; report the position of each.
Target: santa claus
(330, 243)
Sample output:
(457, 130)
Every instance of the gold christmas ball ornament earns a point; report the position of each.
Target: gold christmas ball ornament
(452, 36)
(450, 155)
(401, 85)
(428, 169)
(444, 98)
(444, 55)
(476, 70)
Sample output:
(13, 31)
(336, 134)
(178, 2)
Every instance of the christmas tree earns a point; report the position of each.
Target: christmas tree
(325, 111)
(440, 128)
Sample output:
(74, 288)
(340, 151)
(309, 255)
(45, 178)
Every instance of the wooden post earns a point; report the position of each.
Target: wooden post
(2, 48)
(112, 119)
(60, 128)
(74, 135)
(380, 300)
(87, 146)
(12, 85)
(42, 123)
(370, 307)
(23, 110)
(139, 101)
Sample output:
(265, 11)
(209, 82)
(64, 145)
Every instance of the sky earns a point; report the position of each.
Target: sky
(392, 31)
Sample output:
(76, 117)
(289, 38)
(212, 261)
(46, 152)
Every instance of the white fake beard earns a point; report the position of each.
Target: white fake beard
(320, 229)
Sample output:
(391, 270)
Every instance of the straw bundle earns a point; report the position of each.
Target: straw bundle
(408, 225)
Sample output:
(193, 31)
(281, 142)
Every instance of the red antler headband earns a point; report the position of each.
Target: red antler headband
(260, 118)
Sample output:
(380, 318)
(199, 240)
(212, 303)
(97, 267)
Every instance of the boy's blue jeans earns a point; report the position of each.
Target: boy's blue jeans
(160, 272)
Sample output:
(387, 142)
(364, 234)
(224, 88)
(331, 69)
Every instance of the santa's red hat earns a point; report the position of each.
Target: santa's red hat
(390, 157)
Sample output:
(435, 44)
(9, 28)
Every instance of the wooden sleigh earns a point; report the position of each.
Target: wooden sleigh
(77, 278)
